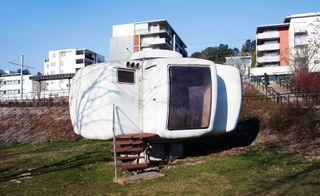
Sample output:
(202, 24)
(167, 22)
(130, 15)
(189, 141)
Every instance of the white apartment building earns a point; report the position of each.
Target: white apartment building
(10, 85)
(243, 63)
(68, 61)
(304, 32)
(147, 35)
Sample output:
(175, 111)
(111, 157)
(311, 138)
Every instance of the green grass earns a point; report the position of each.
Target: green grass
(84, 167)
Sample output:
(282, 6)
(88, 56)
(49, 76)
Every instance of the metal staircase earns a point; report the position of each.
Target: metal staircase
(282, 89)
(131, 151)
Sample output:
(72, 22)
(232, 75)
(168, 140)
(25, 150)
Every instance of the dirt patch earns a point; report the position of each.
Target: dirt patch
(34, 124)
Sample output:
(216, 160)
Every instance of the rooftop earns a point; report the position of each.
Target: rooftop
(270, 26)
(312, 14)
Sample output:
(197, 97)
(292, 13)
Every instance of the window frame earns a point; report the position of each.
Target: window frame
(127, 70)
(169, 97)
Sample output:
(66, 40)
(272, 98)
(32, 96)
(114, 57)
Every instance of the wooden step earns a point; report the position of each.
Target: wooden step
(134, 166)
(136, 136)
(129, 158)
(128, 149)
(129, 142)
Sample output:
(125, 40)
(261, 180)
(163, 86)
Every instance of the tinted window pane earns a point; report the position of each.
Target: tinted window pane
(126, 76)
(190, 97)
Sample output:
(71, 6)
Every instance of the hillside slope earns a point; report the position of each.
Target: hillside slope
(34, 124)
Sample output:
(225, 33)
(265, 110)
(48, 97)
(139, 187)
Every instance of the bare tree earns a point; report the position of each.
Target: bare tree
(241, 63)
(38, 87)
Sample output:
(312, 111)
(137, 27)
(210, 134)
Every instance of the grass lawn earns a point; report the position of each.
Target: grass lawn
(85, 167)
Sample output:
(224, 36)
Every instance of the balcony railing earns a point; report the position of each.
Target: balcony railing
(153, 42)
(268, 59)
(266, 47)
(268, 35)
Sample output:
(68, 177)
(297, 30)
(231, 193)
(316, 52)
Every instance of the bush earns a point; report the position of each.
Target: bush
(308, 81)
(298, 120)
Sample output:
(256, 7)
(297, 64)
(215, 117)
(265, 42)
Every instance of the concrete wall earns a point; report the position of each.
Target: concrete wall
(284, 44)
(118, 48)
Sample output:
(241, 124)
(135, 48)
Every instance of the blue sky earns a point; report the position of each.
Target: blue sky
(34, 27)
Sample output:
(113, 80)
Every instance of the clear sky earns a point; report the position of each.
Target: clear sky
(33, 27)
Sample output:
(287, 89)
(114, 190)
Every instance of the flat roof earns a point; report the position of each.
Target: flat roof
(52, 77)
(269, 26)
(311, 14)
(14, 74)
(69, 49)
(241, 57)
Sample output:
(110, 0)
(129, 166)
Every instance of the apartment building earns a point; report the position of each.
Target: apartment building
(276, 43)
(304, 34)
(68, 61)
(10, 85)
(272, 45)
(243, 63)
(147, 35)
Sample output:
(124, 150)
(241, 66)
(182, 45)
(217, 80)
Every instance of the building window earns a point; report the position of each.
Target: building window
(125, 76)
(300, 38)
(11, 82)
(79, 61)
(270, 30)
(317, 62)
(79, 52)
(61, 63)
(63, 54)
(271, 42)
(11, 92)
(47, 65)
(190, 97)
(53, 64)
(53, 55)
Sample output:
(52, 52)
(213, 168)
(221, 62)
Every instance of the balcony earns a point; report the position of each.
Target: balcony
(149, 42)
(266, 47)
(268, 35)
(268, 59)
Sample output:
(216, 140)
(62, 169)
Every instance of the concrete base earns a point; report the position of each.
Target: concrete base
(138, 177)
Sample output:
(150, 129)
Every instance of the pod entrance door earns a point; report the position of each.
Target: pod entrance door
(190, 97)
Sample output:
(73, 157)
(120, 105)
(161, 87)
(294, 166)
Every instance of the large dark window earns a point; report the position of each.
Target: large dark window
(125, 76)
(190, 97)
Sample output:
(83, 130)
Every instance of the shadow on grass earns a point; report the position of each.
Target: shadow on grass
(293, 179)
(73, 162)
(244, 135)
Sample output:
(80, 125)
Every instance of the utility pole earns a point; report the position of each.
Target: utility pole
(174, 42)
(21, 74)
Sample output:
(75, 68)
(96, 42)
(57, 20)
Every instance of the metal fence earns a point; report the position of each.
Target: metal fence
(36, 97)
(296, 95)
